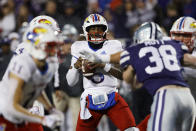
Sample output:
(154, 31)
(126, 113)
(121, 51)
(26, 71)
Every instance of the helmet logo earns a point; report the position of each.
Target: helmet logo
(86, 19)
(193, 25)
(32, 36)
(40, 30)
(44, 21)
(95, 18)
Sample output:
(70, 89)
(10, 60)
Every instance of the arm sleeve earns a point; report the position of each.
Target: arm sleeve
(124, 59)
(184, 50)
(72, 75)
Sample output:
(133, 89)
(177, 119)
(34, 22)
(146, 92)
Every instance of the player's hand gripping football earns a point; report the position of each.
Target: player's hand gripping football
(78, 64)
(56, 118)
(88, 68)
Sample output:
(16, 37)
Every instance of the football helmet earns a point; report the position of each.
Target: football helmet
(40, 41)
(70, 32)
(146, 32)
(44, 19)
(95, 20)
(184, 30)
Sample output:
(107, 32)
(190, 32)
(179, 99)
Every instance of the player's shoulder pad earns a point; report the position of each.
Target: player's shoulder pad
(78, 44)
(23, 58)
(115, 43)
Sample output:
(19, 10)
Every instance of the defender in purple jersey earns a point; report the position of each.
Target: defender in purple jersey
(156, 62)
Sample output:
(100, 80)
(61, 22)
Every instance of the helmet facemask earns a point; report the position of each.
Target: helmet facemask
(96, 34)
(51, 48)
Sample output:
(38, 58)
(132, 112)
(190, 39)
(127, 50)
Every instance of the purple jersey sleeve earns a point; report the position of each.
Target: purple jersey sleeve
(127, 57)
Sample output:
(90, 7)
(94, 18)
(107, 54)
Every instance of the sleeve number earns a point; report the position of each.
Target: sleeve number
(163, 57)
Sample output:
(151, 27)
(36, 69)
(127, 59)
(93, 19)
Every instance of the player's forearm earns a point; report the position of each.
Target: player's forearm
(115, 58)
(189, 60)
(72, 76)
(45, 101)
(13, 106)
(21, 113)
(128, 75)
(116, 73)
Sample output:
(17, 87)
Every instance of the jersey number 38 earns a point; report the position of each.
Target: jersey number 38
(163, 57)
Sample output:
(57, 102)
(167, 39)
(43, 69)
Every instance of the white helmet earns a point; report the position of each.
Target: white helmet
(146, 32)
(92, 20)
(185, 27)
(44, 19)
(40, 41)
(70, 32)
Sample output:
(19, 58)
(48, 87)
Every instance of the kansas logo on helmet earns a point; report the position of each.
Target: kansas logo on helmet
(95, 17)
(32, 36)
(44, 21)
(40, 30)
(193, 25)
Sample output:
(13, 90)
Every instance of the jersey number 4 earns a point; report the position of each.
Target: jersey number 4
(163, 57)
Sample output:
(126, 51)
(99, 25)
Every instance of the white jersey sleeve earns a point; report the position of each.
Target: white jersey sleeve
(190, 72)
(72, 75)
(20, 49)
(20, 67)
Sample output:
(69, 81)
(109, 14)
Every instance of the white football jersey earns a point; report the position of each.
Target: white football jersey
(35, 81)
(100, 80)
(190, 72)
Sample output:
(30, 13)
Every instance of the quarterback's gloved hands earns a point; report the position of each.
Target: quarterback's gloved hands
(78, 64)
(56, 118)
(91, 57)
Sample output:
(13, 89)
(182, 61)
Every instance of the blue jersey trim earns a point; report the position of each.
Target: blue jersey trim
(75, 57)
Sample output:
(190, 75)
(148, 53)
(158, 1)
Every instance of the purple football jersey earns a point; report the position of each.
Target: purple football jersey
(156, 63)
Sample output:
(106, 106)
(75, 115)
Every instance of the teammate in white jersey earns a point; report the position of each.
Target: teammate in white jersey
(42, 19)
(184, 30)
(27, 76)
(100, 95)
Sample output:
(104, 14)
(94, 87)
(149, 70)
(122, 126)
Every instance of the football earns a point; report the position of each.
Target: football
(86, 68)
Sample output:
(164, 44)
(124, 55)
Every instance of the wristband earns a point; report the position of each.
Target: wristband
(107, 67)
